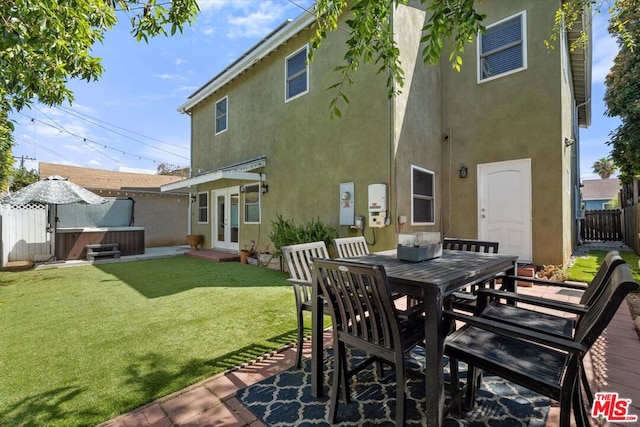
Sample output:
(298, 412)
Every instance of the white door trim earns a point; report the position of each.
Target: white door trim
(230, 225)
(504, 206)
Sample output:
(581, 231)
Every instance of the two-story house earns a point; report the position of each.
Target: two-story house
(489, 152)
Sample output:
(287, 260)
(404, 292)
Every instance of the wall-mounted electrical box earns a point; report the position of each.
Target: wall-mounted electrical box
(377, 205)
(347, 203)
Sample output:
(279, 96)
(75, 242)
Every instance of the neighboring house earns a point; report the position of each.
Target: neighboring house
(489, 152)
(597, 194)
(163, 216)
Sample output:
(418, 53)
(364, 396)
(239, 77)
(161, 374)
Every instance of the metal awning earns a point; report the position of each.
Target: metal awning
(237, 171)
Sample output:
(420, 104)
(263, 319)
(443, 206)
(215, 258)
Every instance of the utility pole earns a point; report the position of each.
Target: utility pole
(22, 159)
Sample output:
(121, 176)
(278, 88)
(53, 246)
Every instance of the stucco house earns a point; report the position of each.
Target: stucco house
(489, 152)
(597, 194)
(163, 216)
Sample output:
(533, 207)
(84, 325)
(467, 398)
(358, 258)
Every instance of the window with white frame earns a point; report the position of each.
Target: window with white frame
(502, 49)
(422, 196)
(221, 115)
(203, 208)
(252, 203)
(296, 74)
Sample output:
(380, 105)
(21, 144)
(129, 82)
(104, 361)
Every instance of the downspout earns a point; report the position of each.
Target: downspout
(392, 159)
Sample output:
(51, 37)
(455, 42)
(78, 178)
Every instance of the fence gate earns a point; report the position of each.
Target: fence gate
(601, 225)
(24, 232)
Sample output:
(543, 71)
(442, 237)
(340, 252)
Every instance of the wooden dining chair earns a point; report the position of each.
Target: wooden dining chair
(490, 302)
(563, 321)
(464, 299)
(298, 261)
(363, 316)
(543, 363)
(348, 247)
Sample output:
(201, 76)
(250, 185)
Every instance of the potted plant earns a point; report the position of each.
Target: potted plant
(247, 253)
(194, 240)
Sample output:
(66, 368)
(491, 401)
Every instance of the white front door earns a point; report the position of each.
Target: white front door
(504, 206)
(226, 218)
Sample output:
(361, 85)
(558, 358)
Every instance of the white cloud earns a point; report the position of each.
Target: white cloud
(166, 76)
(604, 49)
(179, 61)
(256, 23)
(215, 5)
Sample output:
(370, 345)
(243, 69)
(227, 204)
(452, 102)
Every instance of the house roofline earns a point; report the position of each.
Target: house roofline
(274, 40)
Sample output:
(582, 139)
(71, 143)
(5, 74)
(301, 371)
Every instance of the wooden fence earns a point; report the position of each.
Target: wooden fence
(630, 204)
(605, 225)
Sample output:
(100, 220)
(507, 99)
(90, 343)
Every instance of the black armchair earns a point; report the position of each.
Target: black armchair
(547, 364)
(465, 299)
(489, 305)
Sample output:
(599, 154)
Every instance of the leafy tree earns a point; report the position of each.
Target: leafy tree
(23, 177)
(623, 90)
(605, 167)
(47, 42)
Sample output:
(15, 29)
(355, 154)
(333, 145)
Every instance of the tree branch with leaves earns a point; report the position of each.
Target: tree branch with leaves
(46, 43)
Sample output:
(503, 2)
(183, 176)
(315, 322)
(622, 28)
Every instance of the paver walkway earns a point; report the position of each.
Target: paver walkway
(615, 363)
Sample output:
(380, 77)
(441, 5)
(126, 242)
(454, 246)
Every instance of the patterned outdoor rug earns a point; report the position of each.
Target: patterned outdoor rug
(285, 400)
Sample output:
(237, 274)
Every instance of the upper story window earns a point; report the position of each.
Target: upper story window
(422, 196)
(252, 203)
(221, 115)
(203, 208)
(297, 74)
(502, 49)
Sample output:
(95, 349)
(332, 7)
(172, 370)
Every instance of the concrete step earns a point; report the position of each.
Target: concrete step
(91, 255)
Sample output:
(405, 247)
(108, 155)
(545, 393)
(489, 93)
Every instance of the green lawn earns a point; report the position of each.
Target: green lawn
(584, 269)
(80, 345)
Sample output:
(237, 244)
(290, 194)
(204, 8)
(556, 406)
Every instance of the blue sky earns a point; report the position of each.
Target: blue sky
(128, 120)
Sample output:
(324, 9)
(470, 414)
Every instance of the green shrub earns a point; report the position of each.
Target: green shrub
(284, 232)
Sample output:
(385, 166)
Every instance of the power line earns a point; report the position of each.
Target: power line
(73, 113)
(88, 141)
(78, 114)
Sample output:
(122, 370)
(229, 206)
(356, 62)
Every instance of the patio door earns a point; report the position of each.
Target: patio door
(504, 206)
(226, 218)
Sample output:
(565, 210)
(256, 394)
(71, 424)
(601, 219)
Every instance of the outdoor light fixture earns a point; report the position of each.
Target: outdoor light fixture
(193, 198)
(569, 142)
(463, 171)
(264, 188)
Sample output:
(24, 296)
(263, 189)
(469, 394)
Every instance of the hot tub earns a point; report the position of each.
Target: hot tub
(71, 242)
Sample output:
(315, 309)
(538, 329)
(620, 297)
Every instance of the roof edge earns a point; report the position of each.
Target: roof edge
(270, 43)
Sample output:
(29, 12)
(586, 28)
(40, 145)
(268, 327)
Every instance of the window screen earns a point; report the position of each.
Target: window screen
(203, 208)
(252, 203)
(502, 48)
(422, 189)
(221, 115)
(297, 82)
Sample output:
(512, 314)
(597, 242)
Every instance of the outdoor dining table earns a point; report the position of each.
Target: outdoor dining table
(432, 281)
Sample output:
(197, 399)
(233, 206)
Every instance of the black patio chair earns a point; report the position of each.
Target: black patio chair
(490, 302)
(465, 299)
(364, 316)
(298, 258)
(546, 364)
